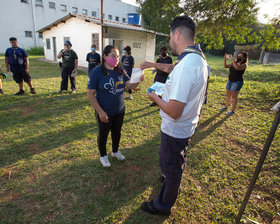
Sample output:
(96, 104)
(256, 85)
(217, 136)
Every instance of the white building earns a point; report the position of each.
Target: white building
(83, 31)
(22, 18)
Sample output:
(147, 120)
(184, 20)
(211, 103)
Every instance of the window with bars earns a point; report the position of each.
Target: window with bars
(28, 33)
(52, 5)
(95, 40)
(63, 8)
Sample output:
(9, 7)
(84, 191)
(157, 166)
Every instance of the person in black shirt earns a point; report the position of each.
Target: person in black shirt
(235, 82)
(128, 64)
(161, 76)
(93, 58)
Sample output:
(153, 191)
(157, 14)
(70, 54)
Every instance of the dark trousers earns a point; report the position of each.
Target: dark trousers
(173, 155)
(115, 125)
(65, 73)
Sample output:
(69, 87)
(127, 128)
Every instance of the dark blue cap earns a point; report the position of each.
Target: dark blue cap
(67, 42)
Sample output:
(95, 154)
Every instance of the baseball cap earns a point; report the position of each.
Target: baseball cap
(67, 42)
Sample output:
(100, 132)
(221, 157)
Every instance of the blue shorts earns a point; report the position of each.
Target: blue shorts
(234, 86)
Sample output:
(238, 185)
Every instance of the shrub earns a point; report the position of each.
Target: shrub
(35, 51)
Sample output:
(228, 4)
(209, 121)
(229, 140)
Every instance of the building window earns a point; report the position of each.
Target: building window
(95, 40)
(93, 13)
(24, 1)
(123, 20)
(48, 43)
(63, 8)
(39, 2)
(40, 35)
(74, 9)
(110, 17)
(117, 18)
(84, 12)
(52, 5)
(28, 33)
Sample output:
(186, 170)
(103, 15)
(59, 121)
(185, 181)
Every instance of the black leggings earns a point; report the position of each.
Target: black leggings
(115, 125)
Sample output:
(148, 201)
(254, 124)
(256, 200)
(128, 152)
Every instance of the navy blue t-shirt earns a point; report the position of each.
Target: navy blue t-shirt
(128, 63)
(93, 60)
(109, 89)
(16, 58)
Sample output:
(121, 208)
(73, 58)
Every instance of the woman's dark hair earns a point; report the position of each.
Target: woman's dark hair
(106, 52)
(245, 57)
(128, 50)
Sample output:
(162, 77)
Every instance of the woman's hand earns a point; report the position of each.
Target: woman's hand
(142, 78)
(103, 117)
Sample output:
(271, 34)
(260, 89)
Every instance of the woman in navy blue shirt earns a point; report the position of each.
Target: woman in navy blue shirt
(128, 64)
(106, 86)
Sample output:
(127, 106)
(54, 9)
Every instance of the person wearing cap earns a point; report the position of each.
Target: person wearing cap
(69, 67)
(128, 64)
(16, 60)
(93, 58)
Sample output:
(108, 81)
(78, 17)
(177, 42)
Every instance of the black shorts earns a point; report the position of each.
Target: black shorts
(20, 76)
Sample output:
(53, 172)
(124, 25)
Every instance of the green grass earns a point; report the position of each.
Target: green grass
(49, 162)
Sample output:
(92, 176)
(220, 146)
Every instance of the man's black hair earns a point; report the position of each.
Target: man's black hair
(12, 39)
(183, 22)
(164, 49)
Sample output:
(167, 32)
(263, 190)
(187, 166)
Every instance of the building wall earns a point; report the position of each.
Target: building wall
(80, 33)
(142, 44)
(17, 17)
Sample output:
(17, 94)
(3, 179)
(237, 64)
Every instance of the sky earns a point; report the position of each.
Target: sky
(267, 7)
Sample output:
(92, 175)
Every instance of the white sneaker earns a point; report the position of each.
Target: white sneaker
(105, 162)
(223, 108)
(130, 97)
(118, 155)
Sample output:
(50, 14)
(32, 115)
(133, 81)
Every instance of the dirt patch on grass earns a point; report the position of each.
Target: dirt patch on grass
(27, 110)
(35, 148)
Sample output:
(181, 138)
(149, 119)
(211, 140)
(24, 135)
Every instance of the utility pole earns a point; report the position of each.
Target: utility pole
(102, 42)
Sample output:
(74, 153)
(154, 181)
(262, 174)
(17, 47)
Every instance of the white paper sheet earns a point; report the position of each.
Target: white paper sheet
(136, 75)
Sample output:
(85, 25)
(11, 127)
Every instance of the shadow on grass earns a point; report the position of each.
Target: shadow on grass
(44, 142)
(82, 191)
(34, 108)
(202, 133)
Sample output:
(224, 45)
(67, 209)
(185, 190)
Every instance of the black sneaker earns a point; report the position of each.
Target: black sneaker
(20, 92)
(32, 90)
(1, 91)
(149, 208)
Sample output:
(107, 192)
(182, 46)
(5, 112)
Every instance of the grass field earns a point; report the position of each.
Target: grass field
(50, 170)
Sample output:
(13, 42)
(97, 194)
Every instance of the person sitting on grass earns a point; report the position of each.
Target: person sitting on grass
(16, 60)
(235, 82)
(106, 86)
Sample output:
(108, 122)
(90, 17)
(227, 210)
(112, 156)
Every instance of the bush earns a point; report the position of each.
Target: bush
(35, 51)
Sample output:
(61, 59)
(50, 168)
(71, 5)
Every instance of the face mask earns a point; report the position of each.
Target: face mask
(93, 49)
(163, 54)
(124, 52)
(112, 61)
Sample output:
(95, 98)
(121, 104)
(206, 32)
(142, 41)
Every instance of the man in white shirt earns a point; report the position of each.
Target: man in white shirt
(179, 109)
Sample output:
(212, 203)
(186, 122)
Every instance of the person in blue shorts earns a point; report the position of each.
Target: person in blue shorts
(235, 82)
(93, 58)
(105, 90)
(128, 64)
(16, 60)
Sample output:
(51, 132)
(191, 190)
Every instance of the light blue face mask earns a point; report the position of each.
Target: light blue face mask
(93, 49)
(124, 52)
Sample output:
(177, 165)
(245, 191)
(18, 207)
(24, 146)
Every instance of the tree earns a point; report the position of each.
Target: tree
(216, 19)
